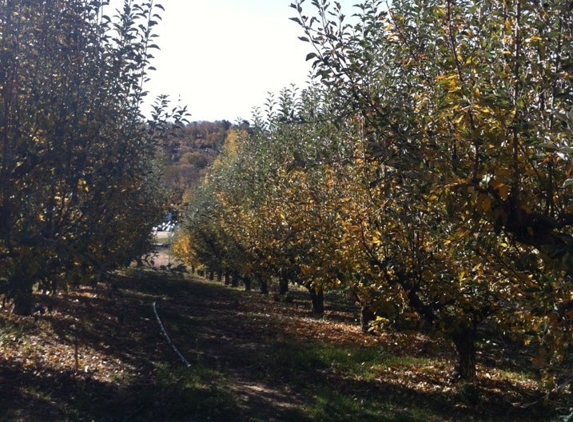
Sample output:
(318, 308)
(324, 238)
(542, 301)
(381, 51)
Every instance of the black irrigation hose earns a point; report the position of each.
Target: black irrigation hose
(187, 364)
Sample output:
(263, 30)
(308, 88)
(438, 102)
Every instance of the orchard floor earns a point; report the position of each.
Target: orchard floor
(98, 354)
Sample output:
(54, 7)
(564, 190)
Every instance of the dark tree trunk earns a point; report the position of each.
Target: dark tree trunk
(366, 317)
(464, 340)
(264, 286)
(20, 288)
(219, 276)
(211, 275)
(283, 286)
(23, 303)
(227, 277)
(235, 279)
(247, 281)
(317, 298)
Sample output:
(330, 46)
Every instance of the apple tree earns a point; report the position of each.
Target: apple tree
(77, 181)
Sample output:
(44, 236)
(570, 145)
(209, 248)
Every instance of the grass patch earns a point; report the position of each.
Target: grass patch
(194, 393)
(332, 406)
(291, 359)
(10, 331)
(162, 240)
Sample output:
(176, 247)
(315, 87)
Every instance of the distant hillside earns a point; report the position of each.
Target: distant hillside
(189, 153)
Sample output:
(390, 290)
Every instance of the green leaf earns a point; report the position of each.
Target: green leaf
(311, 56)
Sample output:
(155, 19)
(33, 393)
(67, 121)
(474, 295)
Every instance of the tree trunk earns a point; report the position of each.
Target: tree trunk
(264, 286)
(23, 302)
(235, 279)
(283, 286)
(366, 317)
(464, 340)
(211, 275)
(317, 298)
(227, 277)
(219, 276)
(247, 281)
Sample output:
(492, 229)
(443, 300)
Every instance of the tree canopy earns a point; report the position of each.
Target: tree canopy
(78, 183)
(426, 170)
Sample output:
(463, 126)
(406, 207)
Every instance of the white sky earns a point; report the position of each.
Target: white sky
(221, 58)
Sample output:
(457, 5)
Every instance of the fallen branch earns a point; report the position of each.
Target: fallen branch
(168, 339)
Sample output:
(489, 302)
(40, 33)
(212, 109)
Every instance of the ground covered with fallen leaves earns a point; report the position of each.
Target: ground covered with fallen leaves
(99, 354)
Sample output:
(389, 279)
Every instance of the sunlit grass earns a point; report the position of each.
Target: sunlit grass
(162, 240)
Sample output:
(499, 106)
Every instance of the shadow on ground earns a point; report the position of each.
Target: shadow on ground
(103, 358)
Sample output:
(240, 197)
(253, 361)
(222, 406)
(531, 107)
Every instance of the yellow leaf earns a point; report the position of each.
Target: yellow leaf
(507, 25)
(484, 203)
(503, 191)
(501, 188)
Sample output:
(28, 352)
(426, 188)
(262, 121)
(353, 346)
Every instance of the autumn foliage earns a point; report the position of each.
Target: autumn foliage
(425, 170)
(79, 186)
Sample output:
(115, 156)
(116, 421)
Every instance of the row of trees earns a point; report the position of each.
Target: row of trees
(426, 170)
(78, 184)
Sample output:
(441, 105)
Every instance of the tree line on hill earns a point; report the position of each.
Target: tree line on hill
(187, 154)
